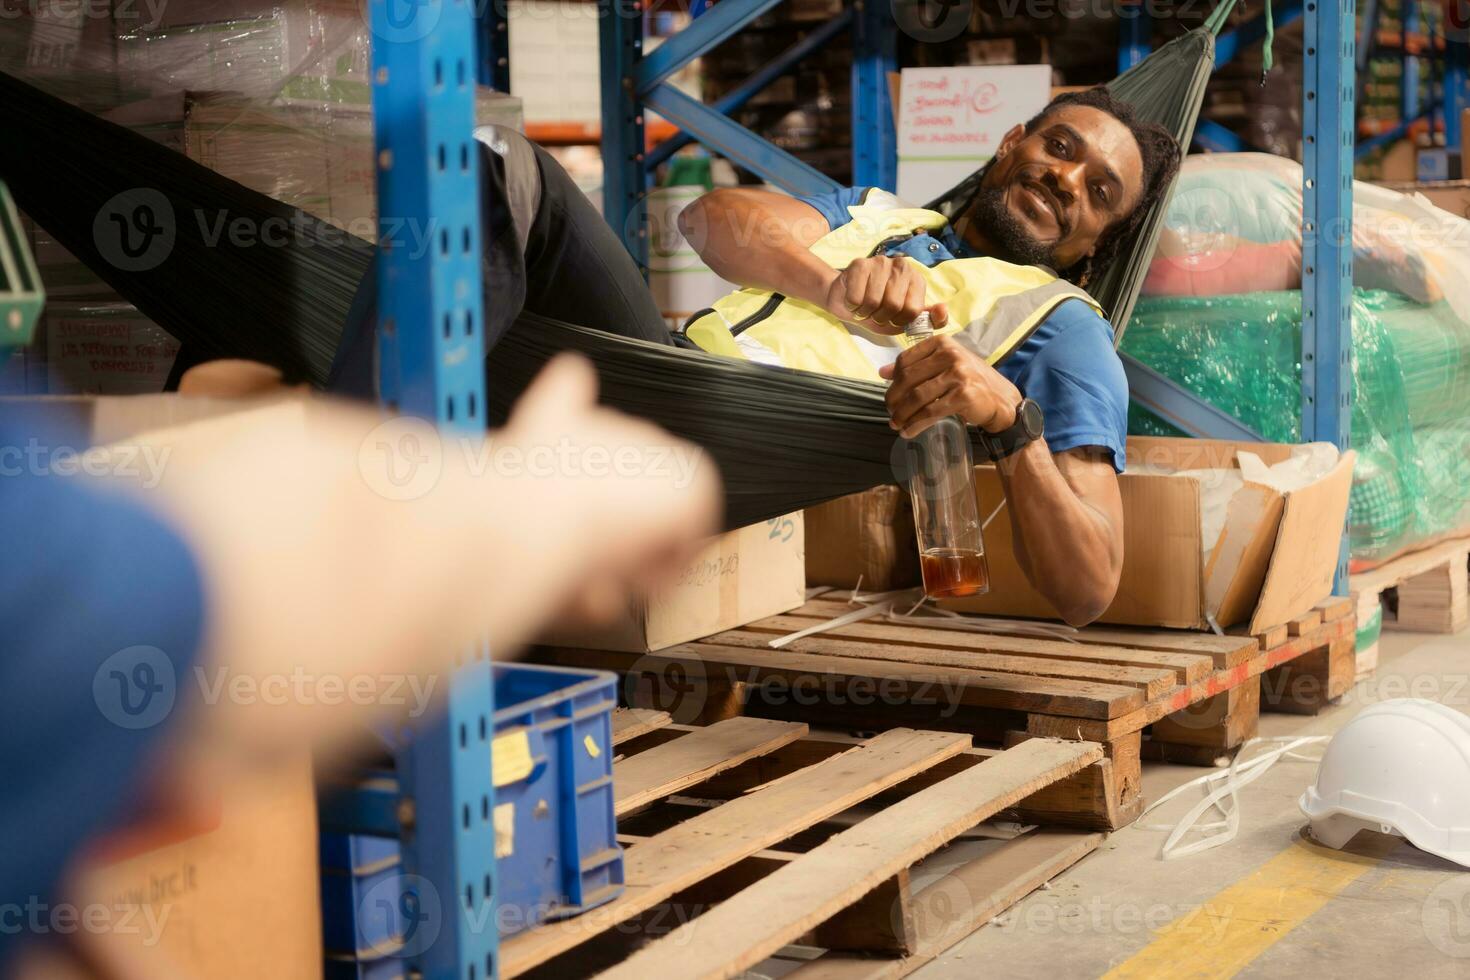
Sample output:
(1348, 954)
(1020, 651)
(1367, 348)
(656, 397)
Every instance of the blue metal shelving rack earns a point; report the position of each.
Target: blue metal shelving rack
(632, 83)
(1328, 93)
(431, 355)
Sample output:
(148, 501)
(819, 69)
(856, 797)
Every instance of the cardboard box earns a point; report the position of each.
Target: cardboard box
(1448, 195)
(1274, 559)
(736, 578)
(105, 348)
(231, 893)
(865, 537)
(96, 421)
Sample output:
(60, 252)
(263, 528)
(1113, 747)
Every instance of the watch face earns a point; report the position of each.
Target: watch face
(1031, 419)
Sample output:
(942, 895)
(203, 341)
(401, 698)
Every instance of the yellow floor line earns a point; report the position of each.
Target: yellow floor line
(1232, 928)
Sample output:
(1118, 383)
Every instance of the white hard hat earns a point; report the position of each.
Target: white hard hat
(1401, 767)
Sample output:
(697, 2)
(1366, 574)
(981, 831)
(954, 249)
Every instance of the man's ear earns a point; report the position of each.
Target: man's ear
(1008, 142)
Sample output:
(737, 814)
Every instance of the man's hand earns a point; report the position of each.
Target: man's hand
(883, 294)
(941, 377)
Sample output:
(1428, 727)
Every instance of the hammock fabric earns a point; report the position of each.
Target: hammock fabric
(783, 439)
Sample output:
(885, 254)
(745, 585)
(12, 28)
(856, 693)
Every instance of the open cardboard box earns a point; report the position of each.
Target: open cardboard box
(736, 578)
(1274, 559)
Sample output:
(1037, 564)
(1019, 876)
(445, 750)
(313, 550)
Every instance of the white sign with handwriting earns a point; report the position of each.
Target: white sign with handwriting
(952, 119)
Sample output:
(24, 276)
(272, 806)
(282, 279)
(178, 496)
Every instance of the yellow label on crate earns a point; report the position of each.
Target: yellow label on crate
(592, 746)
(510, 758)
(504, 822)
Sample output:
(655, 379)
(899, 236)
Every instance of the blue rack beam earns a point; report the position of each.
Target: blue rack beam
(1327, 213)
(719, 132)
(1134, 25)
(494, 33)
(431, 357)
(758, 82)
(1230, 43)
(1181, 407)
(631, 83)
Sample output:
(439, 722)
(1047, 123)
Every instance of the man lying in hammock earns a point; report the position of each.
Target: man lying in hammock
(832, 280)
(1026, 354)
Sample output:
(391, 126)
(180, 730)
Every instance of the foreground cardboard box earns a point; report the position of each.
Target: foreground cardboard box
(1275, 557)
(233, 893)
(864, 537)
(737, 577)
(98, 420)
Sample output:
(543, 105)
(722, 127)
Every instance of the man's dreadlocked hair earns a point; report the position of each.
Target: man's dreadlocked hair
(1160, 155)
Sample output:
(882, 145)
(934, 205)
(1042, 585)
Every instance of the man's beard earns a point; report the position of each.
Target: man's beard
(1007, 236)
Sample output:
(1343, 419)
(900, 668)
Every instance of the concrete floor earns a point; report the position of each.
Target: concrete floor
(1267, 904)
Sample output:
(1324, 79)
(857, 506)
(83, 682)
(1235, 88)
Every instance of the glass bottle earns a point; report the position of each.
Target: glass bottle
(946, 511)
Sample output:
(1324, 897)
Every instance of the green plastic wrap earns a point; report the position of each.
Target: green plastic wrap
(1411, 396)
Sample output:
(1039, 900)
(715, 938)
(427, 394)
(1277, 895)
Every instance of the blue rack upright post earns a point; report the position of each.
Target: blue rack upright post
(1328, 131)
(431, 356)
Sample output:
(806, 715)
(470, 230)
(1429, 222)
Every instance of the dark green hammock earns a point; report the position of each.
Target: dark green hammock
(783, 439)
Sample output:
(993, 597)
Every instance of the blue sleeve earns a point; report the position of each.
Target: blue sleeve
(1069, 368)
(833, 205)
(103, 612)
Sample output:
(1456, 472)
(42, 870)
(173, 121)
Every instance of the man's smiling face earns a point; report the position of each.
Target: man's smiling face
(1051, 194)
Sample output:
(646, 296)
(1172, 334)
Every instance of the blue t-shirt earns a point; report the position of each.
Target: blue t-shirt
(102, 611)
(1068, 366)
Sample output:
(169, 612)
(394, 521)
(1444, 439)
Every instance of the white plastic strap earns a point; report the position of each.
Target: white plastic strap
(1237, 777)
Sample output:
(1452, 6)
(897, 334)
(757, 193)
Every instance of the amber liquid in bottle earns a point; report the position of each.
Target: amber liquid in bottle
(950, 573)
(946, 511)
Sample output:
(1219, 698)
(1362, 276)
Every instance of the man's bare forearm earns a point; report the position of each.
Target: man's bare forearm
(760, 239)
(1069, 548)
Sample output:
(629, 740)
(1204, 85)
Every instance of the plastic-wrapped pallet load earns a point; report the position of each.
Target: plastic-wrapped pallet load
(1411, 408)
(272, 94)
(1222, 316)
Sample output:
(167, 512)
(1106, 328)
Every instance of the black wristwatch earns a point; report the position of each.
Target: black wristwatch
(1025, 430)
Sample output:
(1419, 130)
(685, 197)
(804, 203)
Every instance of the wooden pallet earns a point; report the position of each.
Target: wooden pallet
(1107, 686)
(1425, 591)
(789, 836)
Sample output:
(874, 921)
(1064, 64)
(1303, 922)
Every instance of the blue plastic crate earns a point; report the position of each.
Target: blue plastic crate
(556, 836)
(359, 875)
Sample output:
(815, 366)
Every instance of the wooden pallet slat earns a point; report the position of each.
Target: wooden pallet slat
(742, 931)
(666, 769)
(1153, 681)
(961, 901)
(697, 848)
(1226, 651)
(629, 723)
(1433, 588)
(983, 688)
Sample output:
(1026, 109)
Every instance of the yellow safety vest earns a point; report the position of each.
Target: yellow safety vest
(995, 305)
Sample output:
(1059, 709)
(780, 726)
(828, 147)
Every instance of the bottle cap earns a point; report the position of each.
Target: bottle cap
(921, 329)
